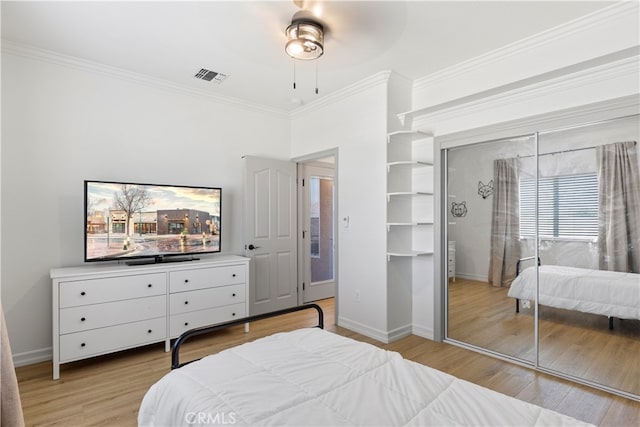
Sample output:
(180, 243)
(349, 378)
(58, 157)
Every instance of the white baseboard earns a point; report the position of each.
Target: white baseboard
(363, 329)
(401, 332)
(423, 332)
(377, 334)
(477, 277)
(33, 356)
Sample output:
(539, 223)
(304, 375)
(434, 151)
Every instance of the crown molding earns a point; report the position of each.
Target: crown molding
(346, 92)
(549, 121)
(608, 68)
(597, 18)
(32, 52)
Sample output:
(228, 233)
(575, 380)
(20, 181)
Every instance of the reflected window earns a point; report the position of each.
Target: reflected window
(321, 228)
(568, 206)
(314, 221)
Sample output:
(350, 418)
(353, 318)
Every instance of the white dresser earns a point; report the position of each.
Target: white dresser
(99, 309)
(451, 260)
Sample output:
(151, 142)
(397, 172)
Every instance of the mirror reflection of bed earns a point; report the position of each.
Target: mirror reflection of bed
(585, 181)
(571, 342)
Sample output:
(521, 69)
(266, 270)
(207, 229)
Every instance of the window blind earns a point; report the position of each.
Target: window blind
(568, 206)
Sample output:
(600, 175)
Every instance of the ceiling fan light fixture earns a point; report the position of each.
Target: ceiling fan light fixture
(305, 39)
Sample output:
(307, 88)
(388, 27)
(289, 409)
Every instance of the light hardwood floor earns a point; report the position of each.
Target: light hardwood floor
(107, 390)
(578, 344)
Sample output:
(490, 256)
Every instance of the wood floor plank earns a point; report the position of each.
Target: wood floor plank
(585, 403)
(621, 414)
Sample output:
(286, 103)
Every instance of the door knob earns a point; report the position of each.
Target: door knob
(251, 247)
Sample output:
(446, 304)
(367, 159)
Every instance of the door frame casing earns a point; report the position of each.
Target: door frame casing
(310, 159)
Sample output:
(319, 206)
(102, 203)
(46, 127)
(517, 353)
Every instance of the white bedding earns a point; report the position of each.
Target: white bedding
(314, 377)
(608, 293)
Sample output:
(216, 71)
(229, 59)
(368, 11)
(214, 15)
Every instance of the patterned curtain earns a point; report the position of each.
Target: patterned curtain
(10, 405)
(619, 210)
(505, 223)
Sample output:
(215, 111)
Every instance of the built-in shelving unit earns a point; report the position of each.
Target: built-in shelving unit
(410, 226)
(409, 194)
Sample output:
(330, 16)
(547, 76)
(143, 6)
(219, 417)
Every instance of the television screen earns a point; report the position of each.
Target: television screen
(127, 220)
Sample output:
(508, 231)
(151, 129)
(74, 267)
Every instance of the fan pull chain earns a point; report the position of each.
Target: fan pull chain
(294, 73)
(316, 77)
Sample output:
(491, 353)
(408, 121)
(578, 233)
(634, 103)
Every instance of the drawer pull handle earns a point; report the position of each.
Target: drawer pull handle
(83, 293)
(233, 275)
(186, 280)
(186, 302)
(233, 314)
(82, 345)
(233, 295)
(149, 331)
(82, 319)
(149, 285)
(186, 323)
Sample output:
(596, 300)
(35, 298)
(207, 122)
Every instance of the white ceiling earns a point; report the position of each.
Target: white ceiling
(245, 39)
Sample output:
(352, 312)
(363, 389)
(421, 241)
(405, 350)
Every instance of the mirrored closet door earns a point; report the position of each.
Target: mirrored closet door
(589, 249)
(483, 245)
(543, 250)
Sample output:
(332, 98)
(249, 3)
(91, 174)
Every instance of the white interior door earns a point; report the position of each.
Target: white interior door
(317, 244)
(270, 233)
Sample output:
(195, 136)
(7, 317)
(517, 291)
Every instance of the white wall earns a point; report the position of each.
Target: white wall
(355, 123)
(62, 124)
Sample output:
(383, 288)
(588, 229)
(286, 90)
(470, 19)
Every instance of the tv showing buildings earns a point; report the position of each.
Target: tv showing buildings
(126, 220)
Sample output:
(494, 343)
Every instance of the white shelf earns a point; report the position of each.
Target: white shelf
(410, 163)
(410, 134)
(408, 193)
(391, 224)
(407, 254)
(408, 224)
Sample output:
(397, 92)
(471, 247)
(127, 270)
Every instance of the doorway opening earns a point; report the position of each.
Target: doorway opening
(317, 223)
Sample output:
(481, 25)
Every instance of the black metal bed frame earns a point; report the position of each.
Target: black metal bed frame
(175, 352)
(539, 264)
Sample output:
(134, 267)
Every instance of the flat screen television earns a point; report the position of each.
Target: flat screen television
(150, 223)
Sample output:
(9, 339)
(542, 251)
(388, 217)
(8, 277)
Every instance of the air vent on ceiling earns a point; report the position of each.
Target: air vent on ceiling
(209, 76)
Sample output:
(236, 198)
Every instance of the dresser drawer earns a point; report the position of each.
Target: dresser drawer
(183, 322)
(95, 291)
(201, 278)
(183, 302)
(84, 318)
(106, 340)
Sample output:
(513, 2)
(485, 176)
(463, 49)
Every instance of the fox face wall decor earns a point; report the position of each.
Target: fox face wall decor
(485, 190)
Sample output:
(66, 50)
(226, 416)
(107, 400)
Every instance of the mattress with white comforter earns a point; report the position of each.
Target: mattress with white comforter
(609, 293)
(314, 377)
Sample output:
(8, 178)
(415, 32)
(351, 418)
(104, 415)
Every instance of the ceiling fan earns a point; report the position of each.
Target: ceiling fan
(355, 31)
